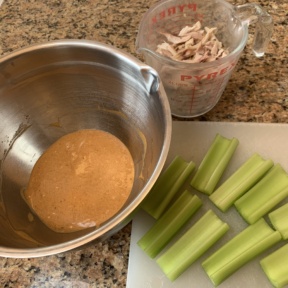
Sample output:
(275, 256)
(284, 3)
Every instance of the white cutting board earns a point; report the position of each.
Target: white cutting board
(191, 141)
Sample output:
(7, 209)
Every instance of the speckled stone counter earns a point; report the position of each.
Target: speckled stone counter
(257, 92)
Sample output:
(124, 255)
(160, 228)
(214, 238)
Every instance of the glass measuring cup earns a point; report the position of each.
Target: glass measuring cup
(195, 88)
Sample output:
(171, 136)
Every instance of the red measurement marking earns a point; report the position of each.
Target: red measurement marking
(174, 10)
(210, 76)
(192, 98)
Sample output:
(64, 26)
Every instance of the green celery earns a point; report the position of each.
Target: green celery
(249, 243)
(247, 175)
(214, 164)
(166, 186)
(279, 220)
(276, 268)
(188, 248)
(264, 195)
(166, 227)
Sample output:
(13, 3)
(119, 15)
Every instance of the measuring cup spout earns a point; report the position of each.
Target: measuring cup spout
(254, 13)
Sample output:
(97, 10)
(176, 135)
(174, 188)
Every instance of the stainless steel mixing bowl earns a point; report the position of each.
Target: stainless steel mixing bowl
(51, 89)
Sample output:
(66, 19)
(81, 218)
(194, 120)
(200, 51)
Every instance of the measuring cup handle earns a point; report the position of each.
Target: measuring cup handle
(254, 13)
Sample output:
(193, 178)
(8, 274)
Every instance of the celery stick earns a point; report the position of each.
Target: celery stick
(188, 248)
(166, 186)
(275, 267)
(279, 220)
(247, 175)
(264, 195)
(246, 245)
(214, 164)
(166, 227)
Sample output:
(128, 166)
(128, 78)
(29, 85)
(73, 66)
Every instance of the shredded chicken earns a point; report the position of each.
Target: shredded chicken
(193, 45)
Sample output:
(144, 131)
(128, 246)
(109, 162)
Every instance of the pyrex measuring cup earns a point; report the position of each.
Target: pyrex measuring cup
(195, 88)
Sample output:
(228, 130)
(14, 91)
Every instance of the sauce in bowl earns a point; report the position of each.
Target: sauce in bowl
(80, 181)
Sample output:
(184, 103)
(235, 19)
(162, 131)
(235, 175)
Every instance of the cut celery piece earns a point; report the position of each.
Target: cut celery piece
(247, 175)
(275, 267)
(188, 248)
(166, 227)
(264, 195)
(279, 220)
(249, 243)
(166, 186)
(214, 164)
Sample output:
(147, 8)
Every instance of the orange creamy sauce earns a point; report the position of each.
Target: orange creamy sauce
(81, 180)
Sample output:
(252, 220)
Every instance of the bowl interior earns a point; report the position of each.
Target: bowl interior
(50, 91)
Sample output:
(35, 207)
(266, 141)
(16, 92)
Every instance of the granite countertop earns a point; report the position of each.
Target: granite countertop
(257, 92)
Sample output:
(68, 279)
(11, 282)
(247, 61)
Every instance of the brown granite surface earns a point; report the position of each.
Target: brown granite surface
(257, 92)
